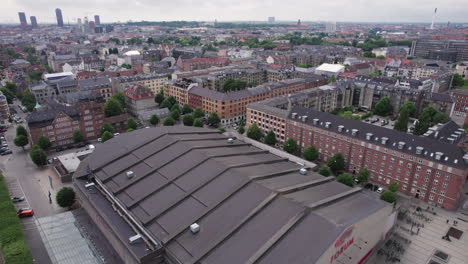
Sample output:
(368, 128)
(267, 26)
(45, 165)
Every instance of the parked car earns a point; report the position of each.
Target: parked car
(116, 134)
(368, 186)
(16, 199)
(7, 152)
(99, 139)
(3, 149)
(3, 130)
(379, 190)
(25, 212)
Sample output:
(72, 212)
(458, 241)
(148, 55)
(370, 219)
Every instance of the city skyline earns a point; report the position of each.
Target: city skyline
(120, 10)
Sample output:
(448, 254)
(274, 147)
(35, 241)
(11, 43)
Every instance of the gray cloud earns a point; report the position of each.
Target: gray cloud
(208, 10)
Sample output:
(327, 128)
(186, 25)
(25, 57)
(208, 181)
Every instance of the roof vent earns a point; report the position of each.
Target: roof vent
(451, 140)
(340, 128)
(130, 174)
(354, 132)
(230, 141)
(315, 121)
(293, 115)
(369, 136)
(304, 118)
(419, 150)
(135, 239)
(438, 155)
(401, 145)
(327, 124)
(455, 161)
(303, 171)
(194, 228)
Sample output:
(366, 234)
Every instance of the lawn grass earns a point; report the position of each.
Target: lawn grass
(14, 248)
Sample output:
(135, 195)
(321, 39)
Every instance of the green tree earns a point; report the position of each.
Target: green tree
(106, 136)
(159, 98)
(166, 103)
(44, 143)
(186, 109)
(198, 113)
(175, 114)
(393, 187)
(21, 131)
(383, 107)
(169, 121)
(21, 141)
(388, 196)
(402, 122)
(154, 120)
(130, 130)
(290, 146)
(408, 107)
(78, 136)
(28, 100)
(120, 97)
(363, 175)
(311, 153)
(12, 87)
(107, 127)
(187, 120)
(175, 107)
(254, 132)
(198, 122)
(131, 123)
(38, 156)
(346, 179)
(8, 94)
(325, 171)
(332, 79)
(213, 119)
(457, 80)
(171, 100)
(234, 85)
(113, 107)
(241, 130)
(421, 127)
(336, 163)
(270, 138)
(65, 197)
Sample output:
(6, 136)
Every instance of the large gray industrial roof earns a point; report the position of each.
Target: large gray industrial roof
(251, 205)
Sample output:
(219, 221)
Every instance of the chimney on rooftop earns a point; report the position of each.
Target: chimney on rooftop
(293, 115)
(401, 145)
(438, 155)
(340, 128)
(354, 132)
(419, 150)
(315, 121)
(384, 140)
(369, 136)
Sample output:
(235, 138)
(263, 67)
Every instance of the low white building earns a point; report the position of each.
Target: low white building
(329, 69)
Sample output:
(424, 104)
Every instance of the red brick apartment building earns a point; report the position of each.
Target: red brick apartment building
(460, 108)
(58, 122)
(201, 63)
(231, 107)
(430, 169)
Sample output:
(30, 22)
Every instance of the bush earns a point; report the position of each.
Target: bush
(325, 171)
(106, 136)
(131, 124)
(254, 132)
(394, 187)
(346, 179)
(154, 120)
(65, 197)
(388, 196)
(198, 122)
(187, 120)
(311, 153)
(12, 244)
(169, 121)
(198, 113)
(186, 109)
(175, 114)
(290, 146)
(213, 119)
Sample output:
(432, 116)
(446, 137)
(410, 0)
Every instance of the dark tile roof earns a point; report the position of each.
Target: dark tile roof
(240, 195)
(94, 83)
(45, 115)
(451, 152)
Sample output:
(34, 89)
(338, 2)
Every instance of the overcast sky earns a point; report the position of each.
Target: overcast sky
(230, 10)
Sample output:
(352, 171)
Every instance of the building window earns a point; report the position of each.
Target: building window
(431, 197)
(440, 200)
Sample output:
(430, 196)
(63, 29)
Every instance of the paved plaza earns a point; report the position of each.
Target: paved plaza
(417, 238)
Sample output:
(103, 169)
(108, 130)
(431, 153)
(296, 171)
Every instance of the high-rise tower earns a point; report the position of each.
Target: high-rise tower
(97, 20)
(58, 14)
(22, 18)
(33, 21)
(433, 18)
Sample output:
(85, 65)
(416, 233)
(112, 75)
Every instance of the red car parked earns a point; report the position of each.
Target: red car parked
(25, 212)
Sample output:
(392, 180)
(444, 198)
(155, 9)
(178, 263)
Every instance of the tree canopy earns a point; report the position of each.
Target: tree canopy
(187, 119)
(428, 118)
(28, 100)
(198, 122)
(106, 136)
(120, 97)
(131, 123)
(290, 146)
(457, 80)
(325, 171)
(175, 114)
(169, 121)
(44, 143)
(363, 175)
(21, 131)
(213, 119)
(65, 197)
(186, 109)
(78, 136)
(113, 107)
(21, 141)
(154, 120)
(198, 113)
(388, 196)
(270, 138)
(254, 132)
(393, 187)
(107, 127)
(383, 107)
(311, 153)
(38, 156)
(234, 85)
(159, 98)
(336, 163)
